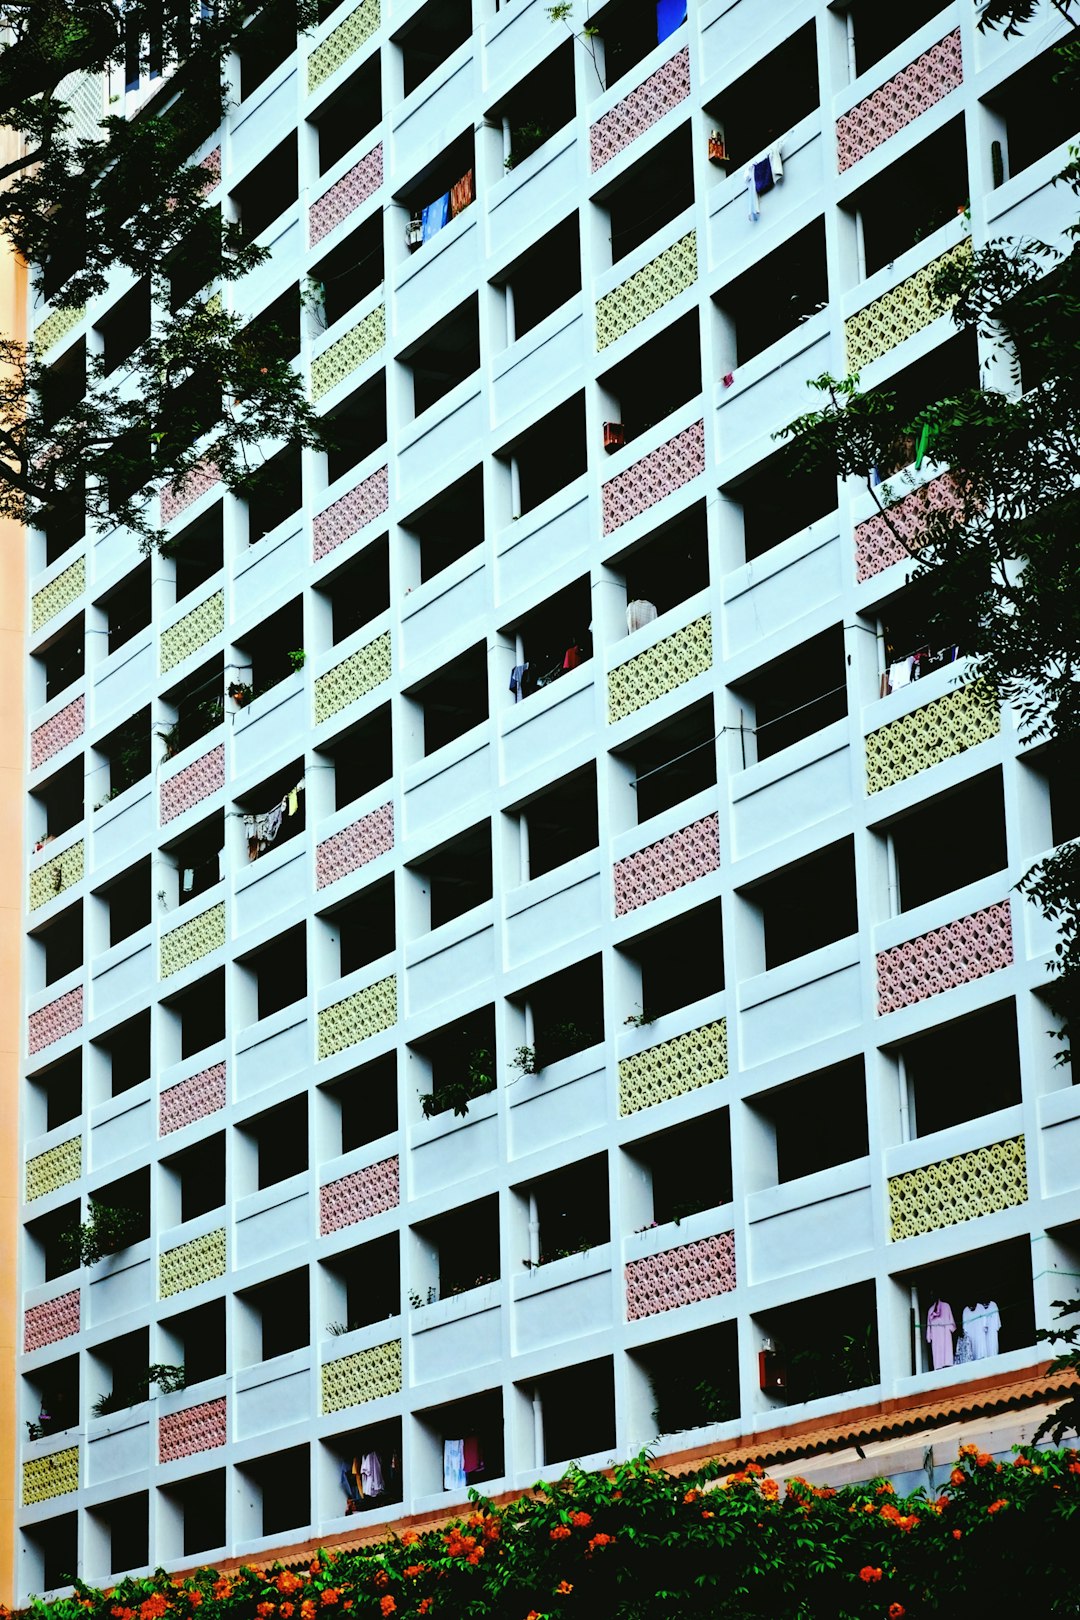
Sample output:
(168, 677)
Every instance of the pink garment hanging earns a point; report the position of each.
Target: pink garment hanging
(939, 1334)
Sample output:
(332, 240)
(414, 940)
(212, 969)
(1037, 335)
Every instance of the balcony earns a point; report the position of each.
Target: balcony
(810, 1222)
(564, 1099)
(550, 910)
(463, 1331)
(536, 191)
(652, 283)
(272, 1220)
(960, 1187)
(802, 1001)
(448, 1149)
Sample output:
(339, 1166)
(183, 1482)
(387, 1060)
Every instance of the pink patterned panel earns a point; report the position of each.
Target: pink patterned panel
(346, 195)
(49, 1322)
(354, 846)
(193, 784)
(640, 110)
(198, 1428)
(670, 864)
(947, 957)
(879, 542)
(367, 1192)
(900, 100)
(191, 1099)
(55, 1020)
(175, 500)
(56, 733)
(348, 515)
(694, 1271)
(663, 470)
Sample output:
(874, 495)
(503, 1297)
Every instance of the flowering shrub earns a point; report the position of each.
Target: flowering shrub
(642, 1544)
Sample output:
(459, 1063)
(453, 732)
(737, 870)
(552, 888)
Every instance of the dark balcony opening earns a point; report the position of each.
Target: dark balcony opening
(359, 427)
(199, 705)
(550, 454)
(279, 971)
(276, 811)
(539, 105)
(129, 1197)
(470, 1437)
(64, 522)
(464, 1243)
(366, 1102)
(201, 1505)
(128, 753)
(359, 590)
(61, 943)
(544, 278)
(630, 29)
(553, 638)
(681, 962)
(879, 29)
(199, 1174)
(361, 758)
(809, 904)
(363, 927)
(274, 650)
(665, 568)
(688, 1167)
(274, 492)
(197, 859)
(658, 378)
(777, 502)
(126, 326)
(781, 89)
(58, 803)
(127, 1048)
(130, 466)
(445, 189)
(567, 1012)
(944, 373)
(63, 385)
(51, 1398)
(275, 330)
(351, 113)
(197, 552)
(68, 258)
(197, 261)
(201, 1013)
(367, 1282)
(128, 607)
(446, 356)
(378, 1443)
(128, 900)
(952, 839)
(1038, 105)
(675, 761)
(48, 1243)
(190, 404)
(126, 1522)
(462, 1063)
(578, 1407)
(197, 1340)
(64, 659)
(281, 1485)
(281, 1313)
(451, 525)
(650, 194)
(778, 293)
(267, 190)
(694, 1378)
(798, 694)
(429, 37)
(917, 194)
(456, 877)
(267, 42)
(1059, 766)
(560, 823)
(989, 1299)
(917, 638)
(344, 277)
(55, 1543)
(454, 699)
(823, 1345)
(819, 1121)
(963, 1069)
(55, 1095)
(280, 1141)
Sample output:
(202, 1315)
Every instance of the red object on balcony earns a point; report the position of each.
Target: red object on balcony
(772, 1370)
(614, 436)
(717, 148)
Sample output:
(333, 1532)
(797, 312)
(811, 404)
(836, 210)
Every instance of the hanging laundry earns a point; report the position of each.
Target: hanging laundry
(292, 802)
(517, 681)
(982, 1323)
(187, 880)
(461, 194)
(940, 1327)
(435, 216)
(638, 614)
(900, 673)
(572, 657)
(453, 1470)
(670, 14)
(752, 204)
(348, 1485)
(472, 1455)
(763, 176)
(371, 1474)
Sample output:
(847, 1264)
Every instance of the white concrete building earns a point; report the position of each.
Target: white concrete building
(713, 939)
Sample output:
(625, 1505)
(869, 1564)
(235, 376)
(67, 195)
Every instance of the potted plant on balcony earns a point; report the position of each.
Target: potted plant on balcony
(241, 693)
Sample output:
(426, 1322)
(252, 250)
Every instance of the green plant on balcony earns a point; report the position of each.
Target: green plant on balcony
(297, 658)
(477, 1081)
(109, 1229)
(168, 1378)
(524, 141)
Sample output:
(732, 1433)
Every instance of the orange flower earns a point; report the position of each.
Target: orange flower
(1074, 1468)
(387, 1605)
(581, 1518)
(982, 1459)
(711, 1516)
(381, 1578)
(264, 1610)
(996, 1507)
(154, 1607)
(956, 1477)
(600, 1540)
(885, 1489)
(222, 1587)
(410, 1537)
(307, 1609)
(423, 1606)
(412, 1571)
(286, 1610)
(564, 1588)
(315, 1567)
(559, 1532)
(532, 1615)
(287, 1581)
(957, 1534)
(868, 1573)
(329, 1595)
(897, 1611)
(691, 1496)
(769, 1488)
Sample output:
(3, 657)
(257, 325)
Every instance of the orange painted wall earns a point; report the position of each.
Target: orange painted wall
(13, 281)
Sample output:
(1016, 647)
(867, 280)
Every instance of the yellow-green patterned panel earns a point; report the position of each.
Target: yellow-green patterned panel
(56, 1167)
(926, 736)
(193, 940)
(958, 1189)
(46, 1477)
(367, 1012)
(58, 594)
(695, 1059)
(647, 290)
(660, 669)
(193, 631)
(898, 314)
(366, 1376)
(348, 352)
(341, 42)
(192, 1263)
(353, 678)
(56, 875)
(56, 326)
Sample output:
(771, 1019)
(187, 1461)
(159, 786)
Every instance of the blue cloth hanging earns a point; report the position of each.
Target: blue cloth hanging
(435, 216)
(670, 14)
